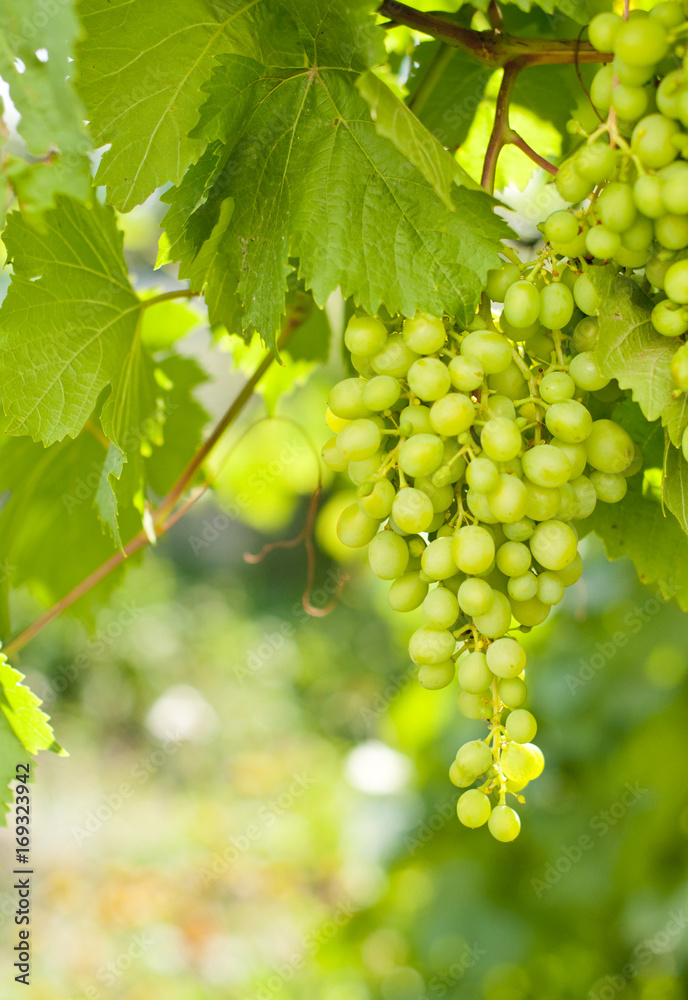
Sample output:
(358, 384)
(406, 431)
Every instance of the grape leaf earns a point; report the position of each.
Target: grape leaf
(675, 484)
(648, 436)
(396, 122)
(675, 417)
(21, 708)
(183, 425)
(141, 67)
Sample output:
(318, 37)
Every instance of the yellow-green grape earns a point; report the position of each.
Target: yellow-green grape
(474, 758)
(550, 588)
(412, 510)
(672, 231)
(570, 184)
(500, 279)
(420, 455)
(482, 475)
(334, 422)
(388, 555)
(603, 29)
(670, 319)
(473, 549)
(543, 502)
(519, 531)
(679, 368)
(596, 162)
(441, 497)
(512, 691)
(381, 392)
(424, 334)
(571, 573)
(428, 379)
(415, 419)
(522, 588)
(521, 726)
(584, 338)
(431, 645)
(434, 676)
(492, 350)
(346, 399)
(521, 761)
(501, 439)
(457, 775)
(504, 824)
(508, 503)
(576, 455)
(585, 296)
(479, 507)
(509, 383)
(546, 465)
(522, 304)
(407, 592)
(676, 282)
(361, 472)
(553, 544)
(437, 561)
(501, 406)
(513, 558)
(610, 487)
(474, 674)
(556, 387)
(641, 42)
(473, 808)
(586, 497)
(602, 242)
(674, 188)
(332, 456)
(556, 305)
(395, 358)
(669, 13)
(365, 336)
(497, 620)
(568, 503)
(585, 372)
(652, 141)
(609, 447)
(440, 608)
(359, 440)
(354, 528)
(475, 596)
(569, 421)
(506, 657)
(452, 414)
(647, 195)
(473, 706)
(466, 373)
(376, 498)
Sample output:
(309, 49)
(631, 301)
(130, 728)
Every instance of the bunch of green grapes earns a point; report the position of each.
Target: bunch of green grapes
(474, 452)
(631, 172)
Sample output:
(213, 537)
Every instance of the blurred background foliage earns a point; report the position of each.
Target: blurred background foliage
(256, 804)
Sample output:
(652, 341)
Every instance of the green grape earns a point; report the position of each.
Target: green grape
(531, 612)
(359, 440)
(636, 465)
(354, 528)
(440, 608)
(479, 507)
(557, 386)
(638, 237)
(601, 89)
(543, 502)
(512, 468)
(482, 475)
(473, 808)
(676, 282)
(452, 414)
(473, 549)
(553, 544)
(395, 358)
(472, 706)
(616, 207)
(453, 465)
(603, 29)
(556, 305)
(434, 676)
(647, 195)
(504, 824)
(506, 657)
(522, 588)
(361, 472)
(424, 334)
(378, 502)
(388, 555)
(431, 645)
(584, 337)
(602, 242)
(546, 465)
(585, 296)
(365, 336)
(522, 305)
(362, 366)
(609, 447)
(521, 761)
(500, 279)
(466, 373)
(669, 93)
(407, 592)
(568, 503)
(412, 510)
(672, 231)
(509, 501)
(491, 349)
(550, 590)
(381, 392)
(569, 421)
(521, 726)
(585, 372)
(501, 406)
(346, 399)
(576, 455)
(586, 496)
(475, 596)
(501, 439)
(679, 368)
(441, 497)
(629, 102)
(437, 562)
(495, 622)
(669, 13)
(669, 319)
(458, 775)
(596, 162)
(519, 531)
(512, 691)
(474, 758)
(675, 188)
(632, 259)
(513, 558)
(610, 487)
(641, 42)
(631, 76)
(509, 383)
(332, 456)
(415, 419)
(560, 227)
(420, 454)
(571, 573)
(474, 674)
(428, 378)
(652, 141)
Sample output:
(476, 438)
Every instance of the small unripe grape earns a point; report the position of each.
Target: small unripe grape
(501, 439)
(440, 608)
(459, 776)
(519, 531)
(437, 562)
(630, 102)
(334, 422)
(652, 140)
(452, 414)
(672, 232)
(585, 372)
(346, 399)
(472, 706)
(495, 622)
(585, 296)
(473, 808)
(610, 487)
(512, 691)
(407, 592)
(584, 336)
(378, 502)
(513, 558)
(557, 386)
(569, 421)
(388, 555)
(501, 406)
(504, 824)
(506, 657)
(546, 465)
(576, 455)
(474, 757)
(395, 358)
(679, 368)
(509, 383)
(479, 507)
(676, 282)
(354, 528)
(412, 510)
(675, 188)
(466, 373)
(669, 319)
(602, 242)
(482, 475)
(428, 378)
(474, 674)
(586, 497)
(509, 501)
(434, 676)
(603, 29)
(616, 207)
(641, 42)
(571, 573)
(365, 336)
(543, 502)
(522, 304)
(360, 472)
(522, 588)
(669, 13)
(362, 366)
(441, 497)
(491, 349)
(359, 440)
(609, 447)
(550, 590)
(647, 195)
(521, 726)
(473, 549)
(556, 306)
(570, 185)
(415, 419)
(475, 596)
(424, 334)
(553, 544)
(500, 279)
(631, 76)
(560, 227)
(421, 454)
(522, 761)
(596, 162)
(638, 237)
(669, 94)
(332, 456)
(568, 503)
(431, 645)
(381, 392)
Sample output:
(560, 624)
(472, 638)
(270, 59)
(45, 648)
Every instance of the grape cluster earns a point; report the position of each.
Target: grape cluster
(474, 451)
